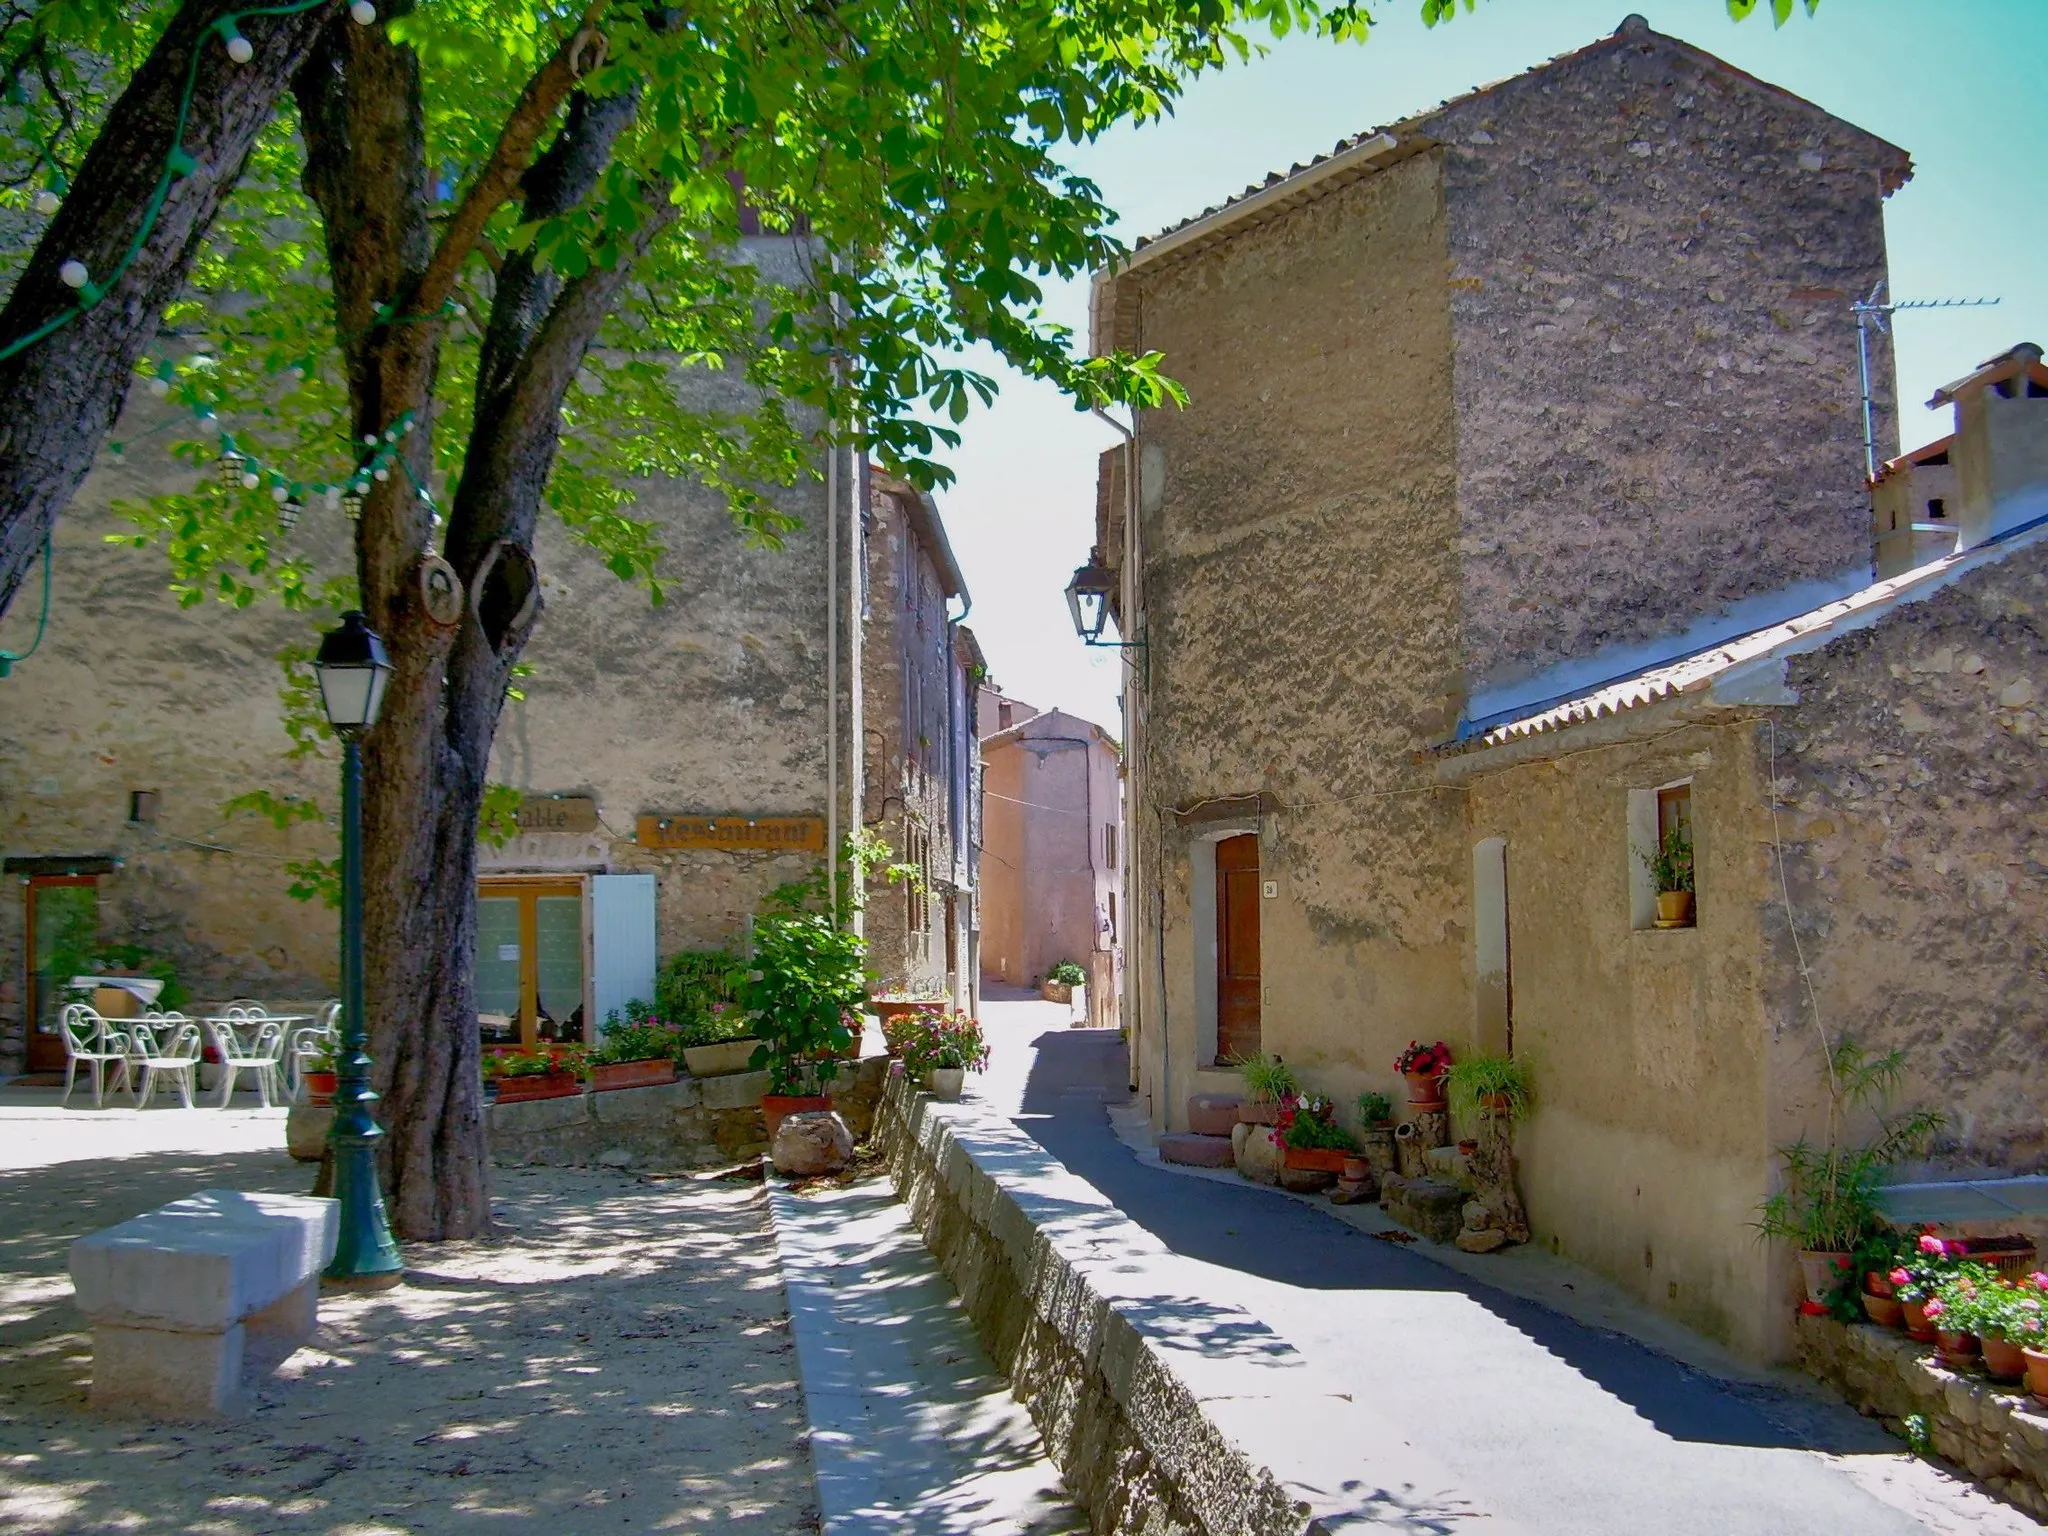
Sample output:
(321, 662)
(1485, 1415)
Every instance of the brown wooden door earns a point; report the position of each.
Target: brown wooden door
(1237, 947)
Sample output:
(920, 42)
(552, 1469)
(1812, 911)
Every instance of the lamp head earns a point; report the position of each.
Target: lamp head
(1088, 600)
(353, 670)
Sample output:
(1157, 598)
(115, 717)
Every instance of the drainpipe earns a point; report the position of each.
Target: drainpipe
(957, 789)
(832, 666)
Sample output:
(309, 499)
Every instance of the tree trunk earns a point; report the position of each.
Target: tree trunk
(65, 391)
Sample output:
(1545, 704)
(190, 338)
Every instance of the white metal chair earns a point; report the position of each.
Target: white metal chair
(162, 1045)
(88, 1042)
(247, 1042)
(307, 1043)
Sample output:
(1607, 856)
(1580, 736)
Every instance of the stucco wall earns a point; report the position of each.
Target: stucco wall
(1657, 387)
(1910, 775)
(1301, 591)
(1049, 791)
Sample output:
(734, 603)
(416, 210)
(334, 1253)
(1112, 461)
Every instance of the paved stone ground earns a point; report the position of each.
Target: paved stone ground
(1554, 1424)
(618, 1360)
(912, 1429)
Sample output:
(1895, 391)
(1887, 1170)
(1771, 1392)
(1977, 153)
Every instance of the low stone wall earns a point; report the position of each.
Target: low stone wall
(692, 1122)
(1167, 1414)
(1998, 1434)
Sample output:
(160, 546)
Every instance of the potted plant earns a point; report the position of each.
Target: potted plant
(695, 993)
(1376, 1132)
(721, 1042)
(638, 1051)
(1956, 1309)
(549, 1074)
(1310, 1137)
(1424, 1066)
(806, 974)
(1827, 1199)
(2007, 1319)
(1498, 1087)
(320, 1078)
(1060, 981)
(1267, 1081)
(1919, 1276)
(941, 1052)
(1875, 1258)
(1671, 873)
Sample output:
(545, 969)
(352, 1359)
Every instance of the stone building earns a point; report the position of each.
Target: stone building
(675, 762)
(921, 770)
(1053, 887)
(1551, 386)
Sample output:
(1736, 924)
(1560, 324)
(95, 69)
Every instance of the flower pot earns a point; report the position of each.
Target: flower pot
(1877, 1282)
(719, 1060)
(776, 1106)
(1957, 1349)
(1820, 1267)
(1425, 1091)
(858, 1029)
(1883, 1311)
(541, 1085)
(1356, 1169)
(1258, 1112)
(1917, 1325)
(1316, 1159)
(946, 1082)
(1674, 909)
(632, 1074)
(1056, 991)
(2037, 1371)
(2003, 1359)
(320, 1087)
(1468, 1146)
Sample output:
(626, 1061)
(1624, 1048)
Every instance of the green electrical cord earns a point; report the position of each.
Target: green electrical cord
(176, 164)
(9, 658)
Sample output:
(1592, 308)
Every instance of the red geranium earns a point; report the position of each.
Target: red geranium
(1421, 1060)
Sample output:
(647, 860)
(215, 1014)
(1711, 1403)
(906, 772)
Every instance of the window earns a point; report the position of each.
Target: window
(1937, 508)
(1003, 713)
(1109, 845)
(529, 961)
(1112, 917)
(1654, 815)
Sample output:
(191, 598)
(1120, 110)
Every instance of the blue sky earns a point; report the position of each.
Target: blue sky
(1957, 83)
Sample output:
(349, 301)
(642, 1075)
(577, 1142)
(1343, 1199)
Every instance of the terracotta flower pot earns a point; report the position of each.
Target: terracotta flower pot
(1877, 1282)
(2003, 1359)
(1425, 1091)
(1316, 1159)
(1258, 1112)
(776, 1106)
(1356, 1169)
(1674, 909)
(2037, 1371)
(543, 1085)
(632, 1074)
(1884, 1311)
(320, 1087)
(1819, 1267)
(1917, 1325)
(1956, 1348)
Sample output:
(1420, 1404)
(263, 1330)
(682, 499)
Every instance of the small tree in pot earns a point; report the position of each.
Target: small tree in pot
(1671, 873)
(806, 977)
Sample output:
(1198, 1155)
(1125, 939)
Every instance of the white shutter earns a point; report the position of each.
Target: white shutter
(622, 956)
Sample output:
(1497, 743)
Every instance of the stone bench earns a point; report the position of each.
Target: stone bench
(183, 1297)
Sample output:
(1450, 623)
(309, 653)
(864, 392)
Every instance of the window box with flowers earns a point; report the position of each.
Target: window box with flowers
(1310, 1138)
(535, 1074)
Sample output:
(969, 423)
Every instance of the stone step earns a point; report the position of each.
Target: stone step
(1212, 1114)
(1194, 1151)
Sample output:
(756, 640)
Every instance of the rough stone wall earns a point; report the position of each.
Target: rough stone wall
(1658, 401)
(1647, 1152)
(1909, 779)
(1301, 596)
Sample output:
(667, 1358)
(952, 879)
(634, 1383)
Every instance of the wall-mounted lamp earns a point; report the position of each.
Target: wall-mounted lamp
(1088, 597)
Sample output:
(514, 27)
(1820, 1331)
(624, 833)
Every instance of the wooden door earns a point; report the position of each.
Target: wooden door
(63, 929)
(1237, 947)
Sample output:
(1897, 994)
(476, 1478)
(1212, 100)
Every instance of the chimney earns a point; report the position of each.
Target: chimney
(2001, 449)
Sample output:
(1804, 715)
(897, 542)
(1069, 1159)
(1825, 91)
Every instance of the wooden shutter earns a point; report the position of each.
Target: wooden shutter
(622, 958)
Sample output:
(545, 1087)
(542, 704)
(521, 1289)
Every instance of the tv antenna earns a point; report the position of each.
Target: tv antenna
(1876, 312)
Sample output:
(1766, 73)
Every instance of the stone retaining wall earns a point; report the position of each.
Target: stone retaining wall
(1166, 1413)
(1998, 1434)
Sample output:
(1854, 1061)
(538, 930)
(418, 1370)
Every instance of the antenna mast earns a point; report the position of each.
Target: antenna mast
(1875, 312)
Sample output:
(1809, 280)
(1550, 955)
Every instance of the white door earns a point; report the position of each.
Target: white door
(622, 958)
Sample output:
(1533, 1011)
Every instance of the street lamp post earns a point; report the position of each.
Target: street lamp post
(353, 670)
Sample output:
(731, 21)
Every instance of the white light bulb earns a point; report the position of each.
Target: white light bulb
(250, 482)
(369, 439)
(362, 12)
(48, 201)
(210, 425)
(240, 49)
(73, 274)
(333, 497)
(383, 474)
(159, 387)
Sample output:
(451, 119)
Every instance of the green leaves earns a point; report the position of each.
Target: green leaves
(1781, 10)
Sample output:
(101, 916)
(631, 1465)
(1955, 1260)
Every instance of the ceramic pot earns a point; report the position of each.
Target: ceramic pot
(1674, 909)
(946, 1082)
(720, 1060)
(1316, 1159)
(1917, 1326)
(774, 1106)
(1356, 1169)
(1883, 1311)
(320, 1087)
(544, 1085)
(1425, 1091)
(2037, 1371)
(2003, 1359)
(632, 1074)
(1957, 1349)
(1820, 1267)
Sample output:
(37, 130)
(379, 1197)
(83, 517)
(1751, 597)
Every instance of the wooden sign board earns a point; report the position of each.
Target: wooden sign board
(557, 813)
(767, 834)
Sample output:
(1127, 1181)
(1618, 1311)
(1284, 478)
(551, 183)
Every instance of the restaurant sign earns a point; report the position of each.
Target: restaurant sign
(768, 834)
